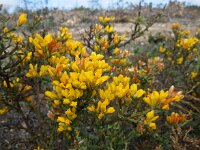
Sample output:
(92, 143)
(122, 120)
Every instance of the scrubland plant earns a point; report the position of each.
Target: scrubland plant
(90, 94)
(181, 54)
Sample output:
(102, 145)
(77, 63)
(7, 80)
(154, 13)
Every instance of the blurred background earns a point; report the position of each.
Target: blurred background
(13, 5)
(78, 15)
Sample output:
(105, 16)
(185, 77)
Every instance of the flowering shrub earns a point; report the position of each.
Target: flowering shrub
(91, 93)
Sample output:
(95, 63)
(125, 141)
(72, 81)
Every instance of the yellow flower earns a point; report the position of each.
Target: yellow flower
(43, 70)
(3, 110)
(139, 93)
(122, 61)
(176, 118)
(106, 19)
(180, 60)
(29, 56)
(56, 102)
(39, 42)
(22, 19)
(188, 43)
(70, 114)
(73, 104)
(32, 71)
(150, 118)
(98, 28)
(100, 19)
(110, 110)
(116, 39)
(64, 124)
(152, 99)
(136, 93)
(95, 57)
(174, 95)
(75, 67)
(16, 38)
(51, 95)
(176, 26)
(107, 94)
(162, 49)
(5, 30)
(29, 98)
(100, 116)
(66, 101)
(64, 33)
(194, 75)
(116, 51)
(25, 88)
(5, 84)
(91, 108)
(109, 29)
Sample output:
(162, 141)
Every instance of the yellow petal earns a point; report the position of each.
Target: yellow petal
(73, 104)
(50, 95)
(66, 101)
(48, 38)
(22, 19)
(152, 126)
(110, 110)
(150, 115)
(91, 108)
(139, 93)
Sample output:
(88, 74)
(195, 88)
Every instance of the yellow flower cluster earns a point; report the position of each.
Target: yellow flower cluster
(117, 39)
(86, 73)
(18, 39)
(119, 57)
(187, 43)
(20, 87)
(102, 108)
(40, 44)
(46, 46)
(98, 28)
(121, 88)
(150, 119)
(58, 64)
(63, 61)
(106, 19)
(105, 36)
(184, 33)
(32, 71)
(64, 34)
(109, 29)
(156, 62)
(176, 118)
(26, 57)
(65, 122)
(117, 61)
(163, 98)
(118, 88)
(102, 44)
(75, 48)
(11, 84)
